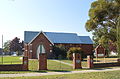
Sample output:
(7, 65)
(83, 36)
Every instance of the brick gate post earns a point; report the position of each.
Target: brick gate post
(90, 61)
(42, 61)
(118, 60)
(76, 61)
(25, 63)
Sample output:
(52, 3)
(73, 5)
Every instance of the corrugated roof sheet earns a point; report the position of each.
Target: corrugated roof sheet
(29, 35)
(86, 39)
(63, 37)
(56, 37)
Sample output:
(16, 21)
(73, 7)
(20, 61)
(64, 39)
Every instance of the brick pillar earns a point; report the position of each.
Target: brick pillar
(90, 61)
(42, 61)
(76, 61)
(118, 61)
(25, 63)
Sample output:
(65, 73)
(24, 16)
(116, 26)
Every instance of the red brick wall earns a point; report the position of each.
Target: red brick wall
(90, 62)
(76, 61)
(11, 67)
(41, 39)
(25, 63)
(42, 62)
(67, 46)
(87, 48)
(100, 65)
(25, 49)
(15, 67)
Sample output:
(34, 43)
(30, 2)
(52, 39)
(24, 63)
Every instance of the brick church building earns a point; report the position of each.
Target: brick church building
(44, 41)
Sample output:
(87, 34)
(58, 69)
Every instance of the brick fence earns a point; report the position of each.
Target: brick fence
(112, 64)
(100, 65)
(91, 64)
(15, 67)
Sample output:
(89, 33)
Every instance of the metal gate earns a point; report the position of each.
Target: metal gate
(33, 64)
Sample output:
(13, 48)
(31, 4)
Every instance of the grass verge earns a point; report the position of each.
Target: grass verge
(92, 75)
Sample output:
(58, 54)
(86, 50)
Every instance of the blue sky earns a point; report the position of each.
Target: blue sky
(17, 16)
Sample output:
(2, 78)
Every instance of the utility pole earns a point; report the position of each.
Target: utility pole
(2, 49)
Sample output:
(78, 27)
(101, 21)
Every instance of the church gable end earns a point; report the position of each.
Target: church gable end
(38, 40)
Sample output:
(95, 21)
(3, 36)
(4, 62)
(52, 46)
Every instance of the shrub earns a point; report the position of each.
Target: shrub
(74, 50)
(59, 52)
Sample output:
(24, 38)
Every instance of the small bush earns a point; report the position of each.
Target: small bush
(59, 52)
(74, 50)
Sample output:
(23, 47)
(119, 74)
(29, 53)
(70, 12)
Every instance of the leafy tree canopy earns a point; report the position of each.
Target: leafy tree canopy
(6, 46)
(13, 46)
(59, 52)
(103, 21)
(74, 50)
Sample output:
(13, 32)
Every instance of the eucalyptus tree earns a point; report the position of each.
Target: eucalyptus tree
(103, 21)
(118, 37)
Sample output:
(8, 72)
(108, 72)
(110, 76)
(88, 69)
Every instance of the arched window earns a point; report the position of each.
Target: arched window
(40, 50)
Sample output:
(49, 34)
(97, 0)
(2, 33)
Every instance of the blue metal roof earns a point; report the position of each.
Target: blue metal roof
(56, 37)
(29, 35)
(63, 37)
(86, 39)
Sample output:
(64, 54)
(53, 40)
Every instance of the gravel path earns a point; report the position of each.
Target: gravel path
(57, 73)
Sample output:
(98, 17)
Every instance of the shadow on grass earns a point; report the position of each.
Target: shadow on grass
(60, 70)
(39, 71)
(45, 71)
(102, 68)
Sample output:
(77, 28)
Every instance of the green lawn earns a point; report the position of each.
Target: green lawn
(84, 63)
(52, 65)
(68, 61)
(11, 60)
(92, 75)
(33, 65)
